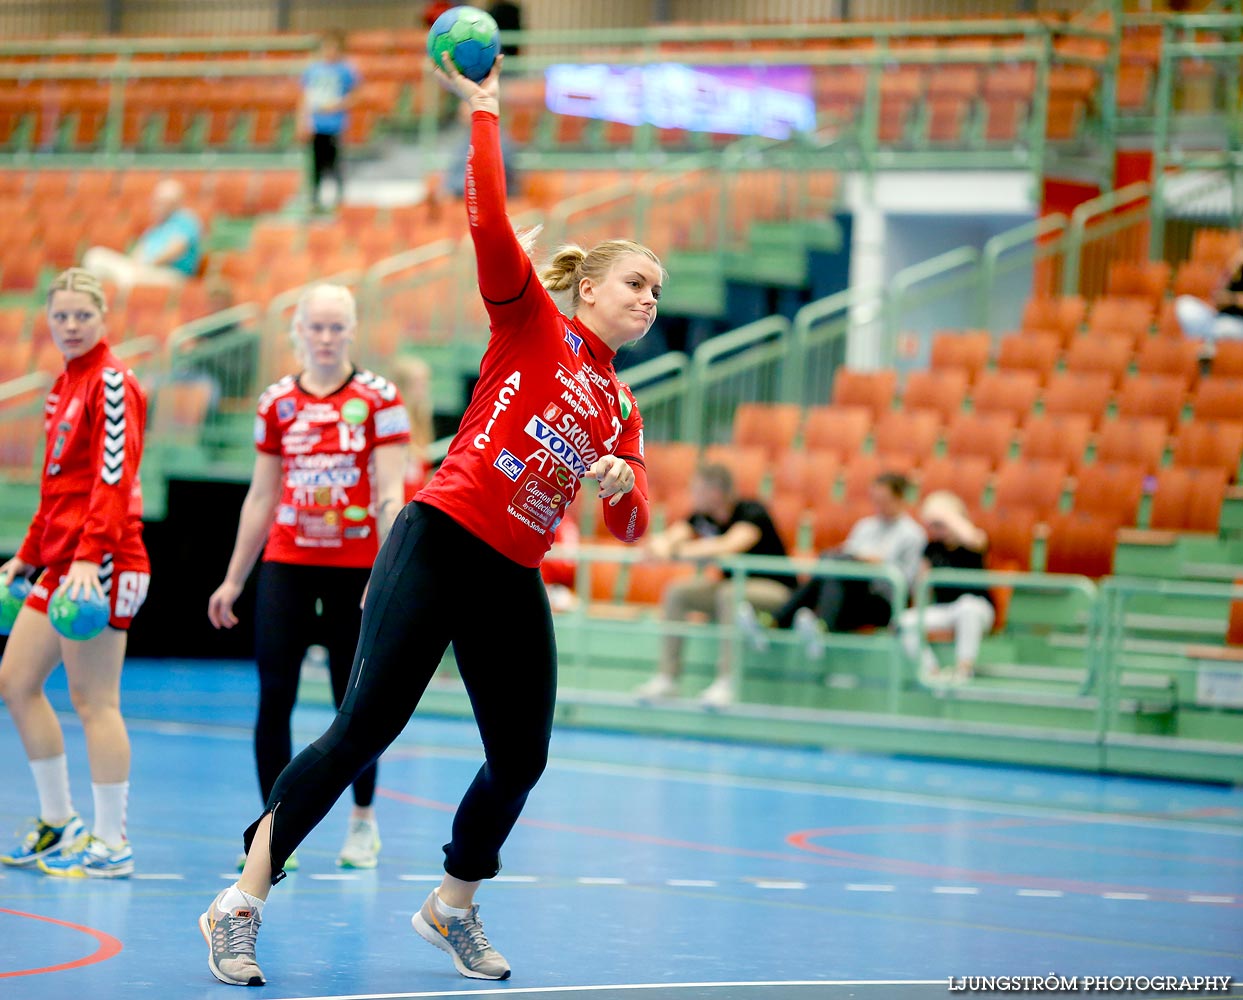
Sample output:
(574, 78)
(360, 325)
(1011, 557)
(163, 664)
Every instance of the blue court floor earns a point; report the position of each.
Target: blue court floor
(642, 869)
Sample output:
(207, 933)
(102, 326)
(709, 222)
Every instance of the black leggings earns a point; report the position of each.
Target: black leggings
(326, 162)
(298, 606)
(434, 584)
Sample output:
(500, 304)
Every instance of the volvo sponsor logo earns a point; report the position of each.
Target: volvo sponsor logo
(556, 445)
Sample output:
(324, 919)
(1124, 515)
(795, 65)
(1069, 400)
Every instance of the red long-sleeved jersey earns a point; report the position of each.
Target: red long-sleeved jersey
(90, 504)
(548, 404)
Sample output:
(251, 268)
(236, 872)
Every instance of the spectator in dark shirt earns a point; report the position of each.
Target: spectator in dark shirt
(953, 542)
(721, 525)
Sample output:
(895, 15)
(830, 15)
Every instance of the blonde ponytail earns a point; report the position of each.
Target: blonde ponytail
(564, 271)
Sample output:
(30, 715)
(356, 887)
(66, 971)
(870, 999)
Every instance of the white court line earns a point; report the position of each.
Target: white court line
(693, 883)
(200, 731)
(1124, 895)
(420, 878)
(627, 986)
(868, 887)
(781, 885)
(1043, 893)
(1210, 899)
(956, 890)
(588, 880)
(170, 877)
(515, 878)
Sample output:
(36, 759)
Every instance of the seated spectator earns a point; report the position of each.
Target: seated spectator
(413, 378)
(835, 604)
(1223, 320)
(168, 253)
(721, 525)
(953, 541)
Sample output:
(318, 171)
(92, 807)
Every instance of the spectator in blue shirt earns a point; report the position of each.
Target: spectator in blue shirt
(328, 87)
(168, 253)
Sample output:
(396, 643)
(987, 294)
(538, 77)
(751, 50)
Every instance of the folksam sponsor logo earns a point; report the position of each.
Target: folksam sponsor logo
(559, 447)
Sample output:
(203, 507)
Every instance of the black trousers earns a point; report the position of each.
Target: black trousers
(299, 606)
(433, 584)
(326, 162)
(842, 604)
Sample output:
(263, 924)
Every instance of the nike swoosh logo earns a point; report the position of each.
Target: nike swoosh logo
(444, 931)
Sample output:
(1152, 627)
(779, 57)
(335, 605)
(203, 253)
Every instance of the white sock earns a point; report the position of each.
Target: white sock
(445, 910)
(52, 781)
(235, 898)
(110, 812)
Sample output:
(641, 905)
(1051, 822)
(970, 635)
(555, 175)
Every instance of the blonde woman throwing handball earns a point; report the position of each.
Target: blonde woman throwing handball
(548, 412)
(87, 534)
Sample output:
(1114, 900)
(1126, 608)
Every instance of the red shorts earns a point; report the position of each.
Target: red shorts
(127, 592)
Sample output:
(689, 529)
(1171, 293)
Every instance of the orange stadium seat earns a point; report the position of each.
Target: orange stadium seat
(670, 467)
(771, 426)
(1100, 353)
(809, 476)
(860, 473)
(646, 582)
(831, 522)
(1188, 500)
(966, 477)
(1081, 543)
(1133, 441)
(839, 430)
(1146, 279)
(1032, 352)
(1153, 396)
(906, 437)
(985, 435)
(1086, 393)
(788, 513)
(1011, 534)
(1166, 356)
(1228, 359)
(1061, 314)
(1012, 392)
(1119, 316)
(967, 351)
(1198, 278)
(941, 392)
(1112, 491)
(873, 390)
(1036, 485)
(1059, 437)
(1211, 444)
(1218, 398)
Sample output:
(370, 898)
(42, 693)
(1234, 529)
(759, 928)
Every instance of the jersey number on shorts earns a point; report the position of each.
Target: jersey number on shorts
(131, 592)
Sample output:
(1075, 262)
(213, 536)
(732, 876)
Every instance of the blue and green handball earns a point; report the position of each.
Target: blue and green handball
(11, 599)
(469, 36)
(82, 619)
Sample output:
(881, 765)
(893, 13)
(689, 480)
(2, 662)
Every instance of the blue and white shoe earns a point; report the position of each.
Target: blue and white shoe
(91, 858)
(43, 840)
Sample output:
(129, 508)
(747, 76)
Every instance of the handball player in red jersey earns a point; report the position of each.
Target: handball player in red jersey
(87, 534)
(331, 453)
(461, 565)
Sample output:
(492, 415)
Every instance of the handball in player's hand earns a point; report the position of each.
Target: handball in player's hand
(469, 36)
(83, 618)
(11, 599)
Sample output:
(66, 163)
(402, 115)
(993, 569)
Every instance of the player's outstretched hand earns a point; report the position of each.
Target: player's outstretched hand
(482, 96)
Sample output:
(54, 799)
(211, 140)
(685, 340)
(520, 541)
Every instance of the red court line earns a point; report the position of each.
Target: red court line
(802, 839)
(108, 946)
(844, 859)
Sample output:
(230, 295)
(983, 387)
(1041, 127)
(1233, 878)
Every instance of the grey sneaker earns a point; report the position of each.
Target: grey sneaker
(230, 940)
(362, 845)
(749, 623)
(463, 938)
(811, 629)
